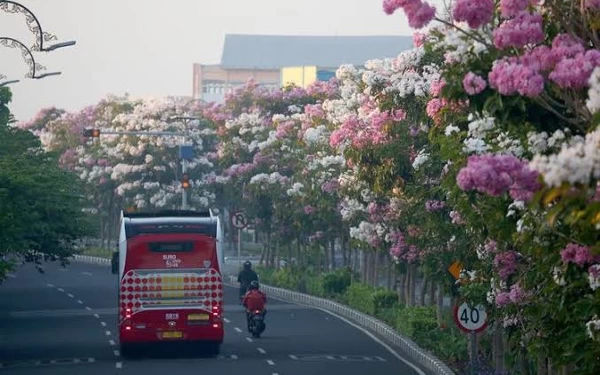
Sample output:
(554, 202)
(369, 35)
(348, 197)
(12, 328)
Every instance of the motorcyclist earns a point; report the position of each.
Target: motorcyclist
(254, 300)
(245, 277)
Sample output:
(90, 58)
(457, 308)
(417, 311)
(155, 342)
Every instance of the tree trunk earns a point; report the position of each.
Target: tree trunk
(407, 286)
(498, 351)
(332, 245)
(401, 287)
(542, 365)
(440, 304)
(325, 255)
(389, 273)
(431, 301)
(363, 267)
(345, 253)
(423, 291)
(376, 268)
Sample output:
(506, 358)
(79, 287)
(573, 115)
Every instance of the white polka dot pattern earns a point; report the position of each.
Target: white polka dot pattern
(151, 289)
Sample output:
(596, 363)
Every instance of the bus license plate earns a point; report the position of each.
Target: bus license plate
(172, 335)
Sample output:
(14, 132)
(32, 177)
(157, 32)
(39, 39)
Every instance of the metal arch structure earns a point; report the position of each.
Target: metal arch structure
(33, 24)
(26, 53)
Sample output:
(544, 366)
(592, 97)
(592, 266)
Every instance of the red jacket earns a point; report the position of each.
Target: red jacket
(255, 300)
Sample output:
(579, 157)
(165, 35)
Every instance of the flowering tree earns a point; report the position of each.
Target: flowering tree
(519, 71)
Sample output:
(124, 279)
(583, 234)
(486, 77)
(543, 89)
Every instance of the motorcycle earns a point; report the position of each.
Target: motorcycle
(256, 323)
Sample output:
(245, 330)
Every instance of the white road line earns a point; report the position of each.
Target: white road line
(80, 302)
(270, 362)
(111, 342)
(238, 330)
(96, 316)
(119, 365)
(87, 273)
(233, 356)
(50, 285)
(275, 373)
(91, 360)
(88, 308)
(107, 333)
(116, 353)
(103, 324)
(249, 339)
(261, 351)
(374, 338)
(70, 295)
(293, 357)
(61, 290)
(227, 320)
(63, 269)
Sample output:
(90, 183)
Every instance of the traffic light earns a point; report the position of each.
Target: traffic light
(185, 181)
(94, 133)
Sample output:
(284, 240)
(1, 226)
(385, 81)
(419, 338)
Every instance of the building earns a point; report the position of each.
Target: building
(273, 60)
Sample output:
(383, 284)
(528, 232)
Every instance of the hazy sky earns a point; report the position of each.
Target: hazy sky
(147, 47)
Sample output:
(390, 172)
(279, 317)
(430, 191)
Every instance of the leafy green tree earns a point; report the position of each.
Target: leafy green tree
(41, 215)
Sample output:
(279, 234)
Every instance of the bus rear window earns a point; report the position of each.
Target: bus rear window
(171, 247)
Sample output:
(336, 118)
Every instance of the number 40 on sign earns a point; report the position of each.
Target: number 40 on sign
(470, 319)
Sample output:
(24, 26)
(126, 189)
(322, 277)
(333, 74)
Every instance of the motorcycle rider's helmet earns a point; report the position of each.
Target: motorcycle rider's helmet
(253, 285)
(247, 265)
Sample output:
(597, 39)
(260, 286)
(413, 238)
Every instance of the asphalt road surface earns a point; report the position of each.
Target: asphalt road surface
(64, 322)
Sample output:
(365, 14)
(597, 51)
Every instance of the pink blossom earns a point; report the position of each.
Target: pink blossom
(433, 205)
(502, 299)
(436, 87)
(592, 4)
(419, 14)
(574, 73)
(509, 77)
(102, 181)
(330, 186)
(524, 29)
(308, 209)
(517, 295)
(434, 106)
(419, 39)
(576, 254)
(398, 244)
(314, 110)
(497, 174)
(490, 246)
(566, 45)
(510, 8)
(506, 264)
(456, 218)
(473, 83)
(475, 13)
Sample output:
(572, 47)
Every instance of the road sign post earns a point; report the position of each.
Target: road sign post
(471, 320)
(239, 221)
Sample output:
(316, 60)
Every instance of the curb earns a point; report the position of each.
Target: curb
(410, 348)
(91, 260)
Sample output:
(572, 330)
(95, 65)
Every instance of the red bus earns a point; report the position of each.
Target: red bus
(170, 285)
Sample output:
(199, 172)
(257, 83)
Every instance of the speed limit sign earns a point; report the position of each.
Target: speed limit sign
(470, 319)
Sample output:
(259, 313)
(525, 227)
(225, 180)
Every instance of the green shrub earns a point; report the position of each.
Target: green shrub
(384, 299)
(359, 297)
(337, 282)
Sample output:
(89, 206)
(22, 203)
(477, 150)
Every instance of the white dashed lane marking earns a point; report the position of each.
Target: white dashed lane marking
(270, 362)
(227, 320)
(61, 290)
(111, 342)
(96, 316)
(119, 365)
(107, 333)
(103, 324)
(238, 330)
(70, 295)
(261, 351)
(88, 308)
(248, 339)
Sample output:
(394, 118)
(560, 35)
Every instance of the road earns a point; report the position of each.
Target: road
(64, 322)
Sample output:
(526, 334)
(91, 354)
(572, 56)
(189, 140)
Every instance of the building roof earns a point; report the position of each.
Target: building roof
(276, 51)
